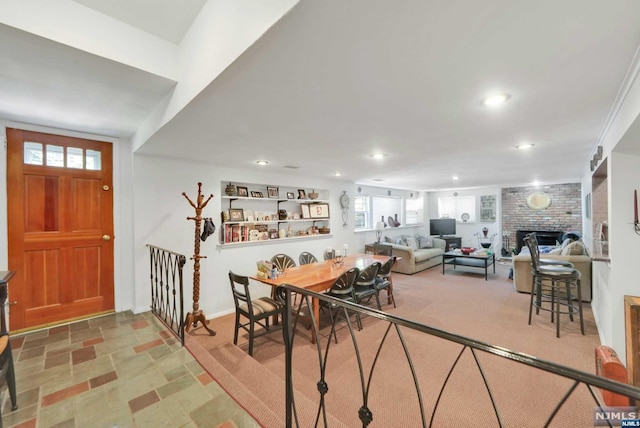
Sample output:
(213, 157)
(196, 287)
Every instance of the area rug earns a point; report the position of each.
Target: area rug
(460, 302)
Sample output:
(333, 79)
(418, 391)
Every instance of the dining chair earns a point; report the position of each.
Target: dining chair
(342, 288)
(256, 311)
(382, 249)
(305, 258)
(282, 262)
(553, 285)
(384, 280)
(329, 254)
(365, 286)
(7, 373)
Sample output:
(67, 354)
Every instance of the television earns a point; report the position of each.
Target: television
(442, 226)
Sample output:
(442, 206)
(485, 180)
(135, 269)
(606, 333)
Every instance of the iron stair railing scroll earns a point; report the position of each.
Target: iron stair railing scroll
(398, 324)
(167, 299)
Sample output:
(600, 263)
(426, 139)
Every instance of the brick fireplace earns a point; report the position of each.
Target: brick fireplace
(564, 213)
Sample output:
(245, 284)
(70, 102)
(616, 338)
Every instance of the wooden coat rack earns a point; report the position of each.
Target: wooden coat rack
(197, 314)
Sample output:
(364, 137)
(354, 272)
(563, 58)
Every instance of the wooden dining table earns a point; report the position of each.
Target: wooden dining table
(320, 276)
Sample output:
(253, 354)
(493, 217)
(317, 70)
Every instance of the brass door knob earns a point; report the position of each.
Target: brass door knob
(106, 238)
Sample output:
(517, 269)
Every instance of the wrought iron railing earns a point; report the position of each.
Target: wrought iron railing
(571, 378)
(167, 301)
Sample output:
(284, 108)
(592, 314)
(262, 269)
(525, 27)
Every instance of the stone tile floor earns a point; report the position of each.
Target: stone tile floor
(118, 370)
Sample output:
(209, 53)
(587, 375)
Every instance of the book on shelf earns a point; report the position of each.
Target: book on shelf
(243, 232)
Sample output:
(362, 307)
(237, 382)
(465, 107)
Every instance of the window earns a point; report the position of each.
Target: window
(370, 210)
(386, 209)
(413, 211)
(33, 153)
(57, 156)
(74, 157)
(361, 206)
(462, 208)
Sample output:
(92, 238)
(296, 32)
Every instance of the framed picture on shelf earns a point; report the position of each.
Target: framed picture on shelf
(302, 194)
(256, 194)
(273, 192)
(242, 191)
(304, 210)
(290, 195)
(236, 214)
(319, 210)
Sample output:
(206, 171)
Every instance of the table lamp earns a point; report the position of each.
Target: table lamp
(379, 229)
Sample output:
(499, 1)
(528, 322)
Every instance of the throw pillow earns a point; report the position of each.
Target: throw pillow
(425, 241)
(411, 242)
(566, 242)
(556, 251)
(575, 248)
(389, 240)
(400, 241)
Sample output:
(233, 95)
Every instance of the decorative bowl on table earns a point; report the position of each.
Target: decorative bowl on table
(467, 250)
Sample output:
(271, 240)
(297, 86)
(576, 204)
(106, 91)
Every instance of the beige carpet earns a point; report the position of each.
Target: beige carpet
(460, 302)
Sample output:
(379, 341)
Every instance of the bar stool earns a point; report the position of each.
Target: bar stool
(554, 285)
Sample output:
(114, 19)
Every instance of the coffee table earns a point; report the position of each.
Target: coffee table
(457, 258)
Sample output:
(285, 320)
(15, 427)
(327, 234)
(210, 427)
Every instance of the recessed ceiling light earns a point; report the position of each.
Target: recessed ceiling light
(262, 162)
(455, 177)
(378, 155)
(337, 174)
(524, 146)
(495, 100)
(378, 179)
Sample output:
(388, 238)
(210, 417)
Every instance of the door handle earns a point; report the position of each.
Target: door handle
(106, 237)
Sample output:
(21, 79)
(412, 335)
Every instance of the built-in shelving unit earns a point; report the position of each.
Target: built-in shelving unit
(257, 213)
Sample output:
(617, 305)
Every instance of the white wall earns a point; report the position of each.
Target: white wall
(611, 281)
(161, 219)
(624, 249)
(467, 231)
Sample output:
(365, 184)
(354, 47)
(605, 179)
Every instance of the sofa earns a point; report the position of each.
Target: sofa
(416, 255)
(576, 254)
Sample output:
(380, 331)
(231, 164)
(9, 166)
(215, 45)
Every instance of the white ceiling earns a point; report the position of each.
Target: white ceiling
(167, 19)
(334, 81)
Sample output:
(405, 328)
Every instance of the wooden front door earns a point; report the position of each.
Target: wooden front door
(60, 228)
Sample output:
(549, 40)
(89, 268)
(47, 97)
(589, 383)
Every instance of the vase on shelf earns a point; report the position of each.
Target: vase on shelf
(385, 224)
(397, 223)
(230, 189)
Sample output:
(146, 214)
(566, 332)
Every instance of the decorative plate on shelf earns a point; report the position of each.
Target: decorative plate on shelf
(465, 216)
(538, 201)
